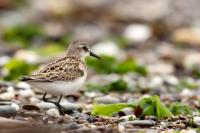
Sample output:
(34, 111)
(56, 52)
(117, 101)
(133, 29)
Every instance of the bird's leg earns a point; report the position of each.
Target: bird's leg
(60, 108)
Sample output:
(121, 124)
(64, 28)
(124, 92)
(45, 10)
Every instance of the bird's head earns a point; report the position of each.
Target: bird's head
(80, 49)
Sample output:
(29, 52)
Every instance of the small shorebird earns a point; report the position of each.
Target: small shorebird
(63, 76)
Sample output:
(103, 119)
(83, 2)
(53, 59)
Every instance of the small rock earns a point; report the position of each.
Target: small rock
(16, 106)
(137, 32)
(6, 123)
(45, 105)
(127, 118)
(30, 107)
(156, 81)
(23, 85)
(187, 93)
(70, 126)
(70, 106)
(126, 111)
(7, 111)
(106, 48)
(89, 33)
(26, 93)
(53, 112)
(161, 68)
(191, 60)
(7, 96)
(196, 121)
(107, 100)
(187, 35)
(171, 80)
(4, 60)
(139, 123)
(81, 117)
(66, 105)
(28, 56)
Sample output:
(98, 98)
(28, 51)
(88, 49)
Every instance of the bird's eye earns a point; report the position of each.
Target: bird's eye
(85, 48)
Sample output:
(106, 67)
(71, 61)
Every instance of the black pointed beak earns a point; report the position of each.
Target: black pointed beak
(94, 55)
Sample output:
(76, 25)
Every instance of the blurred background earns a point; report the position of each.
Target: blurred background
(148, 47)
(162, 37)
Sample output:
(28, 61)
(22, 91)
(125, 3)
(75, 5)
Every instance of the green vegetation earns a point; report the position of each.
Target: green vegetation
(50, 49)
(186, 84)
(16, 68)
(118, 85)
(180, 109)
(23, 35)
(111, 65)
(151, 106)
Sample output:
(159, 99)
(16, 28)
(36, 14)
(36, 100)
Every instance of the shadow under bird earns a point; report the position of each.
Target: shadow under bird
(63, 76)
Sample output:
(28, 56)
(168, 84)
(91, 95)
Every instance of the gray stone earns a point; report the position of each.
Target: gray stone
(7, 111)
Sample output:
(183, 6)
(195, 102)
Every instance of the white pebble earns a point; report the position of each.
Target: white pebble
(53, 112)
(16, 106)
(196, 119)
(4, 60)
(23, 85)
(28, 56)
(26, 93)
(7, 96)
(106, 48)
(137, 32)
(156, 81)
(187, 93)
(128, 118)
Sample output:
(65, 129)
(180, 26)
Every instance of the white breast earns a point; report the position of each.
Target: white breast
(60, 87)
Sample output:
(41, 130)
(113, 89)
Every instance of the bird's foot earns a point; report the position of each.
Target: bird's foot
(61, 109)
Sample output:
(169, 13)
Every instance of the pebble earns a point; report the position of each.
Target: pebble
(16, 106)
(6, 123)
(160, 68)
(89, 33)
(187, 35)
(107, 99)
(137, 32)
(126, 111)
(53, 113)
(4, 60)
(26, 93)
(171, 80)
(156, 81)
(7, 111)
(28, 56)
(107, 48)
(191, 60)
(67, 106)
(139, 123)
(127, 118)
(196, 121)
(71, 126)
(7, 96)
(187, 93)
(30, 107)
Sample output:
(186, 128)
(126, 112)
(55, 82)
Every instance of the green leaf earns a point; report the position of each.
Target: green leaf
(108, 109)
(151, 106)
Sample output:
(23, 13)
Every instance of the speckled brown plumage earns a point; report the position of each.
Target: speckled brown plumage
(64, 69)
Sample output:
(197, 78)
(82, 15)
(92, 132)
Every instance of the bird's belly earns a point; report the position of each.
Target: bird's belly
(60, 87)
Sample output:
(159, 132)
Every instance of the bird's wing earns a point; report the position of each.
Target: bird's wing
(65, 69)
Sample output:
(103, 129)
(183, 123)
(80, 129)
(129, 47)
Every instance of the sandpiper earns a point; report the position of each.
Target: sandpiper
(63, 76)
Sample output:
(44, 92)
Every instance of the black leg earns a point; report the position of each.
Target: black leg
(60, 108)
